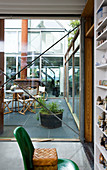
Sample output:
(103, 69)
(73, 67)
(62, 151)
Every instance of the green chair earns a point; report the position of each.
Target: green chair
(27, 150)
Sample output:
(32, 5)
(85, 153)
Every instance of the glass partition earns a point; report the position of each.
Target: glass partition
(70, 72)
(76, 83)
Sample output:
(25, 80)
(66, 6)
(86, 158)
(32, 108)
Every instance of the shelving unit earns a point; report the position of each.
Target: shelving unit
(100, 74)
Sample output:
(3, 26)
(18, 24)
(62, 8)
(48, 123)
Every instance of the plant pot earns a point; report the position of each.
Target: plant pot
(50, 121)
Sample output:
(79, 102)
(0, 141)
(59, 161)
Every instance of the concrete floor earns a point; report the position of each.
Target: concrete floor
(11, 159)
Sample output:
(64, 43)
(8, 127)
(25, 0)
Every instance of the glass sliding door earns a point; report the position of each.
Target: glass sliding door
(76, 83)
(70, 73)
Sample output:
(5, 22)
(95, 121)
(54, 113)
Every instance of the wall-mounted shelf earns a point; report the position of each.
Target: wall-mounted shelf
(102, 25)
(100, 166)
(102, 46)
(100, 74)
(102, 150)
(102, 36)
(102, 66)
(90, 32)
(101, 107)
(101, 130)
(103, 3)
(102, 87)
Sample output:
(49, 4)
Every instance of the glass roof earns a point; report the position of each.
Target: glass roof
(34, 23)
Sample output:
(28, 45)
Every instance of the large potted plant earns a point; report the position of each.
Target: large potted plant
(47, 119)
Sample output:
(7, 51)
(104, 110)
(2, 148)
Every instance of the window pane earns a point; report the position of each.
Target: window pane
(34, 41)
(49, 38)
(32, 71)
(11, 42)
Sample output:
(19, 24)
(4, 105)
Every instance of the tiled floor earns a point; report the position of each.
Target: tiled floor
(32, 125)
(11, 159)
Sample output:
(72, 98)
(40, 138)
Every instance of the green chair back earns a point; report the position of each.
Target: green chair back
(26, 147)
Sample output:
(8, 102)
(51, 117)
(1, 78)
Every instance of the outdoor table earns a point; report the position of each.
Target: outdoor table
(15, 92)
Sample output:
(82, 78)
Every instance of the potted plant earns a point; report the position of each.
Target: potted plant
(49, 120)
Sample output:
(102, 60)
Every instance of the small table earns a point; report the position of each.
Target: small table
(15, 92)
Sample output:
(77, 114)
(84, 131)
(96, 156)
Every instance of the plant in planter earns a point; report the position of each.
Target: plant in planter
(49, 120)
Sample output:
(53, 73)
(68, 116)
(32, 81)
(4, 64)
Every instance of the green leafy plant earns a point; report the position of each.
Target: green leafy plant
(42, 101)
(53, 107)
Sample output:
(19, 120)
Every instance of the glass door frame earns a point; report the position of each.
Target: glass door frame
(67, 57)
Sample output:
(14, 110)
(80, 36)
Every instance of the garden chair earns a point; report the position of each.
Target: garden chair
(42, 93)
(27, 150)
(6, 105)
(27, 104)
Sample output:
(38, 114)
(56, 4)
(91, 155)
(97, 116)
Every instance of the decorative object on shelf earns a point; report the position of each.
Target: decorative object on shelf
(104, 82)
(105, 103)
(103, 141)
(100, 122)
(99, 100)
(102, 160)
(100, 16)
(97, 63)
(103, 61)
(105, 128)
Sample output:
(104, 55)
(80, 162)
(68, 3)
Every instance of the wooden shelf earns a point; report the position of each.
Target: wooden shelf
(103, 3)
(102, 46)
(90, 32)
(102, 36)
(102, 87)
(102, 66)
(102, 25)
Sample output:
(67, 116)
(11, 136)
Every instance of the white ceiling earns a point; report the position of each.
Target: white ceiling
(41, 6)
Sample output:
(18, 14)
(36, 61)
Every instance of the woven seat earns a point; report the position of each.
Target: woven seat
(44, 158)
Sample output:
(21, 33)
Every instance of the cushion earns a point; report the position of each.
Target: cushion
(45, 157)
